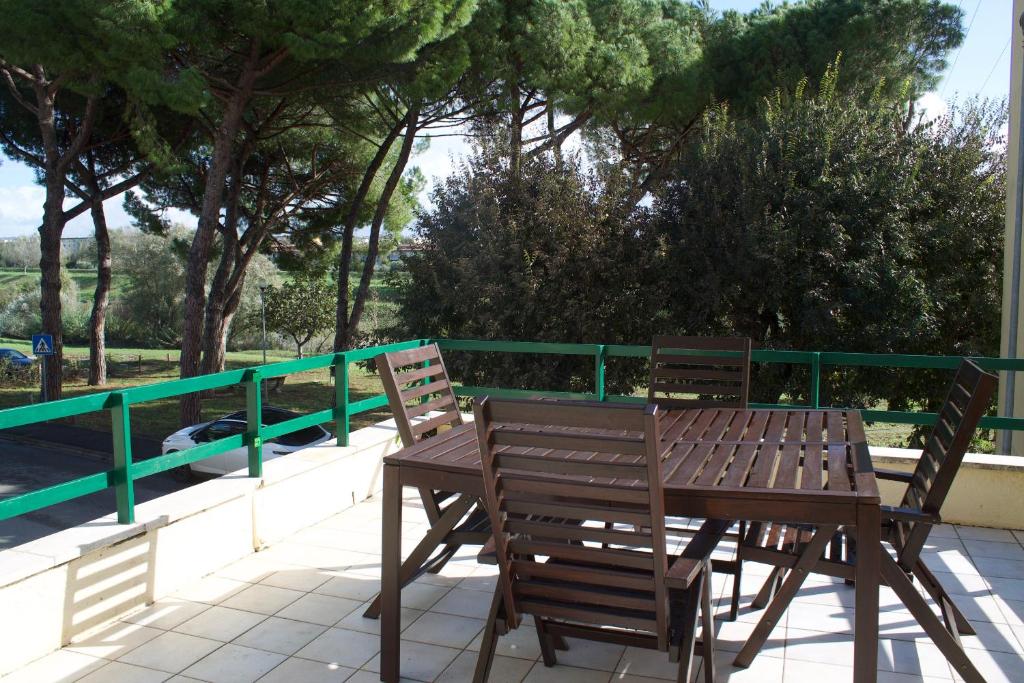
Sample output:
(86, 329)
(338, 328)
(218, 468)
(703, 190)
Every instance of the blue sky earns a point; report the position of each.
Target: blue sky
(980, 67)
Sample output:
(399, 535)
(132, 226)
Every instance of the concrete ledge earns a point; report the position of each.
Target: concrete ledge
(65, 584)
(986, 491)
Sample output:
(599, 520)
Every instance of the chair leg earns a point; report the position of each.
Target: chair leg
(768, 589)
(794, 579)
(737, 577)
(943, 639)
(707, 618)
(685, 612)
(950, 612)
(547, 645)
(490, 640)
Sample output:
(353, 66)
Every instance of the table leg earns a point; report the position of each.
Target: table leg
(868, 571)
(390, 586)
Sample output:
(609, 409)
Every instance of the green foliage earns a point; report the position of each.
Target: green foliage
(549, 257)
(825, 224)
(301, 308)
(151, 306)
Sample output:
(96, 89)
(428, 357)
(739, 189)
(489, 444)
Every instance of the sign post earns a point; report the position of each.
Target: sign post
(42, 345)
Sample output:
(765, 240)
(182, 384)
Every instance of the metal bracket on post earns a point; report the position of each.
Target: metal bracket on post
(124, 485)
(254, 421)
(341, 398)
(600, 355)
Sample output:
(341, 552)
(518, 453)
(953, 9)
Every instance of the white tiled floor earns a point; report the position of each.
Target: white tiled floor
(294, 613)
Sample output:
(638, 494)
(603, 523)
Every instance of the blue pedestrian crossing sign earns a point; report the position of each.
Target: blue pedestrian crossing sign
(42, 344)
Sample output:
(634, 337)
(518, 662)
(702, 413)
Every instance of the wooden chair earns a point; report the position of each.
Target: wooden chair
(699, 372)
(607, 584)
(906, 527)
(703, 372)
(417, 383)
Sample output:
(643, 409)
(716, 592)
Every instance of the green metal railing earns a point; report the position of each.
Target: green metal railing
(119, 403)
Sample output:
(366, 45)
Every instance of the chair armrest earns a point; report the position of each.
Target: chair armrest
(489, 553)
(894, 475)
(909, 515)
(682, 573)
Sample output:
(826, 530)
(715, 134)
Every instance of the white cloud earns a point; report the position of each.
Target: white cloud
(21, 207)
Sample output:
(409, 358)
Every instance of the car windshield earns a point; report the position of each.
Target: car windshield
(301, 437)
(11, 353)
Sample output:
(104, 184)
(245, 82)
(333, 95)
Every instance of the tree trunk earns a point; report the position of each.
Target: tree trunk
(213, 325)
(199, 253)
(49, 283)
(341, 332)
(100, 299)
(412, 119)
(515, 130)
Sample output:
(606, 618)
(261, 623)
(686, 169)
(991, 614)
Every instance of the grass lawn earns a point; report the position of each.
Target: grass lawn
(85, 279)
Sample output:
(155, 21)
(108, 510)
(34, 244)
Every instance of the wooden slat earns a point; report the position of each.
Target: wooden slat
(435, 387)
(587, 616)
(582, 534)
(569, 414)
(568, 489)
(418, 374)
(431, 405)
(577, 573)
(697, 388)
(577, 511)
(424, 353)
(838, 472)
(789, 466)
(581, 597)
(435, 422)
(733, 375)
(588, 443)
(810, 479)
(662, 359)
(613, 557)
(532, 463)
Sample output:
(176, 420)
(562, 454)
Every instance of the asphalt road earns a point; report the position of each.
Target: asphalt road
(27, 467)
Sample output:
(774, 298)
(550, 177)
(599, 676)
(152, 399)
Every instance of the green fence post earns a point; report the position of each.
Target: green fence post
(341, 398)
(600, 355)
(254, 421)
(124, 488)
(816, 380)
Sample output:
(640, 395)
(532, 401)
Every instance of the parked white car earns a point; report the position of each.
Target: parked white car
(238, 458)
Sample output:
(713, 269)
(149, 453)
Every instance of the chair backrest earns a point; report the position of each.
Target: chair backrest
(944, 450)
(699, 372)
(416, 383)
(581, 485)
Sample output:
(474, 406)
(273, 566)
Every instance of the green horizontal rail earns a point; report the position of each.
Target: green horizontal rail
(119, 402)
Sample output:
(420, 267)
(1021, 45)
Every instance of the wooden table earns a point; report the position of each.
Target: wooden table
(797, 466)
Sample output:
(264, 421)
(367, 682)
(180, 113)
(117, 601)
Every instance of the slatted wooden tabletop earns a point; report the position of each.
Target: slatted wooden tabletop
(802, 466)
(759, 453)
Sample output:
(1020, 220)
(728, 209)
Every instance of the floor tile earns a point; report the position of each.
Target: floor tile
(520, 643)
(463, 603)
(234, 664)
(444, 629)
(590, 654)
(263, 599)
(220, 623)
(350, 585)
(315, 608)
(422, 595)
(342, 647)
(419, 661)
(298, 579)
(355, 620)
(119, 672)
(1005, 551)
(763, 670)
(252, 568)
(912, 657)
(565, 674)
(283, 636)
(818, 646)
(167, 613)
(638, 661)
(170, 651)
(503, 669)
(114, 640)
(211, 590)
(998, 667)
(977, 533)
(295, 670)
(57, 667)
(993, 567)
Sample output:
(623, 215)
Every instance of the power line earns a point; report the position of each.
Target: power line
(998, 59)
(961, 48)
